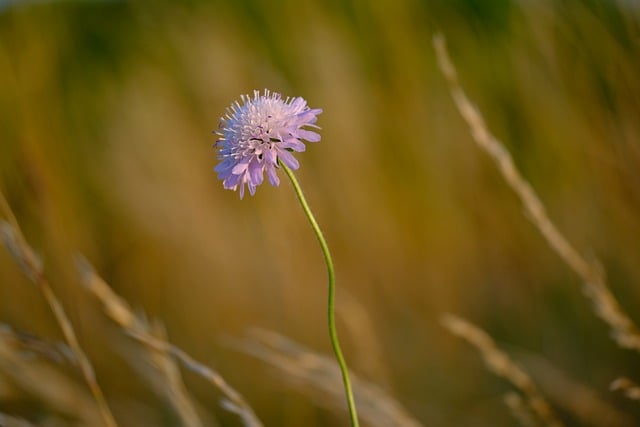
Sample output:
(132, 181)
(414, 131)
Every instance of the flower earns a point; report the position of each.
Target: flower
(256, 135)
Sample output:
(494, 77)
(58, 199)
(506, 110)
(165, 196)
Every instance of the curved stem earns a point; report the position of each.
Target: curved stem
(332, 294)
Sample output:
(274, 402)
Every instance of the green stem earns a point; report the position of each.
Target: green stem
(332, 294)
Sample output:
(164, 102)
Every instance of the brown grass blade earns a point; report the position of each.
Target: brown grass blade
(627, 387)
(501, 365)
(320, 377)
(577, 399)
(120, 312)
(44, 383)
(623, 330)
(31, 266)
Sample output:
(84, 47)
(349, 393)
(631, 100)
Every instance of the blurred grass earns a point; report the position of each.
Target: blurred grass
(106, 110)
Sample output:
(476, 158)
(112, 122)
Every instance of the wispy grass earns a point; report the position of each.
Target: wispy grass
(623, 330)
(589, 405)
(46, 384)
(607, 307)
(319, 377)
(9, 421)
(500, 364)
(32, 268)
(133, 325)
(627, 387)
(520, 410)
(160, 353)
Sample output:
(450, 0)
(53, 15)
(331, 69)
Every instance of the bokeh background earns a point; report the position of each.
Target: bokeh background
(106, 116)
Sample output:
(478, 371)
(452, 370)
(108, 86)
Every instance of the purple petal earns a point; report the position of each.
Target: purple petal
(309, 116)
(270, 156)
(294, 143)
(231, 182)
(273, 175)
(241, 166)
(255, 172)
(226, 164)
(309, 135)
(288, 159)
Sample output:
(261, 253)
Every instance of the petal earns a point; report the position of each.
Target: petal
(270, 156)
(231, 182)
(241, 166)
(309, 116)
(224, 165)
(288, 159)
(255, 173)
(273, 175)
(309, 135)
(222, 174)
(294, 143)
(298, 102)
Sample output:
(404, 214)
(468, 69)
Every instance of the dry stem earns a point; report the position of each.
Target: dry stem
(32, 268)
(520, 409)
(42, 381)
(627, 387)
(624, 331)
(500, 364)
(120, 312)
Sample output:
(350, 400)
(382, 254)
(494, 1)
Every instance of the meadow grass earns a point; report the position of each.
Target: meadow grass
(624, 332)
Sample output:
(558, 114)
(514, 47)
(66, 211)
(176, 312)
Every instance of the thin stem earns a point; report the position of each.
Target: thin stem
(332, 294)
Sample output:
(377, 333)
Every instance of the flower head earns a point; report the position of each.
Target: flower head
(256, 134)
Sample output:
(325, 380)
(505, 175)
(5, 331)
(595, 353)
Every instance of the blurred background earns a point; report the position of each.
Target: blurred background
(106, 116)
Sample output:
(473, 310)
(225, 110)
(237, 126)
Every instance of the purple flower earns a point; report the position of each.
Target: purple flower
(258, 133)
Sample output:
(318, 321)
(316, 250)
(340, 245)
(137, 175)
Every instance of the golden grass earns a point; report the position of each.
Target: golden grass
(165, 375)
(32, 268)
(587, 404)
(501, 364)
(40, 380)
(520, 410)
(163, 352)
(623, 330)
(627, 387)
(319, 378)
(316, 375)
(9, 421)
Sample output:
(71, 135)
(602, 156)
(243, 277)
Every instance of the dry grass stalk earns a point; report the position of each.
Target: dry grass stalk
(163, 374)
(501, 365)
(320, 377)
(9, 421)
(624, 331)
(32, 268)
(627, 387)
(520, 410)
(44, 383)
(584, 403)
(54, 352)
(120, 312)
